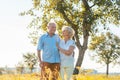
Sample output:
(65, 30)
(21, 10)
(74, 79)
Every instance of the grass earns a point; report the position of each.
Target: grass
(36, 76)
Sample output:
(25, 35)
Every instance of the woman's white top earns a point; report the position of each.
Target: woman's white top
(66, 60)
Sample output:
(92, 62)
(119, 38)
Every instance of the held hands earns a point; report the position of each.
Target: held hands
(57, 45)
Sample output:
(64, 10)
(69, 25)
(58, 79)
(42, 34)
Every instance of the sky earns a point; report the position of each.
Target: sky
(14, 41)
(13, 32)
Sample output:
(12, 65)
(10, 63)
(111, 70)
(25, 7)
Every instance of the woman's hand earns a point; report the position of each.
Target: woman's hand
(57, 45)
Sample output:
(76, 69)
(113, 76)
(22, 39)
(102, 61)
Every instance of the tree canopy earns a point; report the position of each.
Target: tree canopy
(83, 16)
(107, 48)
(31, 60)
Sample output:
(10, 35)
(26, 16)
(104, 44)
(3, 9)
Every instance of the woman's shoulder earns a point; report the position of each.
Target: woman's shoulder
(61, 40)
(71, 40)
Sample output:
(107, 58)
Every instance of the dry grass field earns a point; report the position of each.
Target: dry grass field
(36, 76)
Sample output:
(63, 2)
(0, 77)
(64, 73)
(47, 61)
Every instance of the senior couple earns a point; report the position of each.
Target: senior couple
(55, 54)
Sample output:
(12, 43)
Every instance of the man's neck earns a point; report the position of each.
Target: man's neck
(50, 34)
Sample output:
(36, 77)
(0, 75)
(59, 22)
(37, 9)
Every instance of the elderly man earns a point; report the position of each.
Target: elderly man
(50, 59)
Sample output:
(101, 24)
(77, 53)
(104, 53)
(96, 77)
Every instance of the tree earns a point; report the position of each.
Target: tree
(107, 47)
(82, 15)
(1, 70)
(20, 67)
(31, 60)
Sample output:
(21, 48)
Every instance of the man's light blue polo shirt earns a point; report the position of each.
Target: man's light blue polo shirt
(50, 52)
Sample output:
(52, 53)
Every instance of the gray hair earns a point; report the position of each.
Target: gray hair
(70, 30)
(51, 23)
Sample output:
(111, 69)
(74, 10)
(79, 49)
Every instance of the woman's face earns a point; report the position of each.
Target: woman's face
(65, 33)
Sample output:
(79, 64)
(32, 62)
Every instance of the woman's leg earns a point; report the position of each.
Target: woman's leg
(62, 72)
(69, 72)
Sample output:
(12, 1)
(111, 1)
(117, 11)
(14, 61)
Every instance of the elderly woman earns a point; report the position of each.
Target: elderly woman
(66, 48)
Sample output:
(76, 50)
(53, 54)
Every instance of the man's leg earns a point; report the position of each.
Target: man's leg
(45, 70)
(55, 68)
(50, 70)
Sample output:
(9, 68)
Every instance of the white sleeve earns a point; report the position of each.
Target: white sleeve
(72, 43)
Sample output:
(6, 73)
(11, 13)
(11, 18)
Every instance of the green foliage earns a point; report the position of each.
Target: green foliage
(30, 59)
(20, 67)
(45, 10)
(82, 15)
(96, 40)
(107, 47)
(1, 70)
(36, 3)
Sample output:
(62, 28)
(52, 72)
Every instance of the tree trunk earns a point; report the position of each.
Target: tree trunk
(79, 61)
(86, 29)
(107, 69)
(82, 48)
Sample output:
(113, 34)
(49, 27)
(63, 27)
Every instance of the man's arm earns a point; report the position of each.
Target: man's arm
(39, 57)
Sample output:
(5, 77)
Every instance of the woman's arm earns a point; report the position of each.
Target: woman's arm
(67, 52)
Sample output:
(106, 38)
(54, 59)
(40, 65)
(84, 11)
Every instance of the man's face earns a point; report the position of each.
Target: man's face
(51, 28)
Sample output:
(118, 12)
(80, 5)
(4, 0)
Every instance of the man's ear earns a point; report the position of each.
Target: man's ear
(47, 27)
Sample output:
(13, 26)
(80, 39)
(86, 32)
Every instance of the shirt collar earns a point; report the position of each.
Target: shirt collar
(48, 34)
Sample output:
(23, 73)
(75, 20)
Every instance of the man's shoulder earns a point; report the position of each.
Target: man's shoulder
(56, 35)
(43, 35)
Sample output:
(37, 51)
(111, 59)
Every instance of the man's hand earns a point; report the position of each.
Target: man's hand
(41, 64)
(57, 45)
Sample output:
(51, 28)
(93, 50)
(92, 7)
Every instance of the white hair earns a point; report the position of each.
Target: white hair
(70, 30)
(51, 23)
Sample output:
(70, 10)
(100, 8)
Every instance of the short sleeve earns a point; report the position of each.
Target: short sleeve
(57, 38)
(72, 43)
(40, 43)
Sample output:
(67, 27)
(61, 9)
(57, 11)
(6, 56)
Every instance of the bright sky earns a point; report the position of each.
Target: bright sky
(13, 32)
(14, 40)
